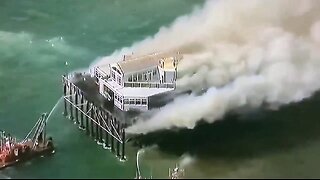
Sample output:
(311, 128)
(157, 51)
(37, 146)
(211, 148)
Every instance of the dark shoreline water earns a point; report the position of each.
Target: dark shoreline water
(240, 138)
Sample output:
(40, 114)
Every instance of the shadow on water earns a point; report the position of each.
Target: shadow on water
(237, 137)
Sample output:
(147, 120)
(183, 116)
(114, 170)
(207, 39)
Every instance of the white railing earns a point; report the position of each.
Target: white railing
(149, 85)
(99, 73)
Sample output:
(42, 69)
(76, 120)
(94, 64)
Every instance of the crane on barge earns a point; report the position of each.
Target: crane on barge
(34, 144)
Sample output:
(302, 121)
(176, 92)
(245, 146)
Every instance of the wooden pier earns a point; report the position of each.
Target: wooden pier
(87, 108)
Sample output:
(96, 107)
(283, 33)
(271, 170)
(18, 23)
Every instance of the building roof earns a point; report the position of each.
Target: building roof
(105, 68)
(135, 64)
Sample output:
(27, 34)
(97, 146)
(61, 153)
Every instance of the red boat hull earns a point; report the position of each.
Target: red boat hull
(22, 157)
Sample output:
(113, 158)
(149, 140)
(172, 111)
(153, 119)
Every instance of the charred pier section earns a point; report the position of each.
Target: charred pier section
(84, 107)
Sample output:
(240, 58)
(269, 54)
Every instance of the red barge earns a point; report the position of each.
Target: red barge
(33, 145)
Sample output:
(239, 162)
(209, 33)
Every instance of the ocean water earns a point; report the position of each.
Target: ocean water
(38, 37)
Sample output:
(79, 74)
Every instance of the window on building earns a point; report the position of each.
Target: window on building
(119, 80)
(130, 79)
(126, 101)
(131, 101)
(155, 72)
(138, 101)
(134, 78)
(113, 75)
(144, 101)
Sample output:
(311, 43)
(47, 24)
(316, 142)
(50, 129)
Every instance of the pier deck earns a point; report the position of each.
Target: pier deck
(90, 88)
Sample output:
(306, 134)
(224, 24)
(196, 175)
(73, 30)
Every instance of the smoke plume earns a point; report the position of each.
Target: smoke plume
(186, 160)
(243, 53)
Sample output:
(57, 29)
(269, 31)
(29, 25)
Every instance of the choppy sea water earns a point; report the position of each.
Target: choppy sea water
(38, 37)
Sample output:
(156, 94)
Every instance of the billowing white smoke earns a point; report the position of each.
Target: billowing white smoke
(186, 160)
(242, 53)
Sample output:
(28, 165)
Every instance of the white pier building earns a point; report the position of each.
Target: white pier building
(131, 82)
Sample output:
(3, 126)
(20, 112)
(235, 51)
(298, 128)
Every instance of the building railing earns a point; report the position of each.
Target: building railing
(149, 85)
(99, 73)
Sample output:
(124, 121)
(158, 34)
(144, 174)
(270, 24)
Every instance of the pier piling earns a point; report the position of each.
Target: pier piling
(118, 143)
(100, 117)
(71, 99)
(97, 125)
(92, 122)
(123, 143)
(76, 101)
(82, 109)
(65, 112)
(112, 132)
(87, 117)
(106, 140)
(98, 122)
